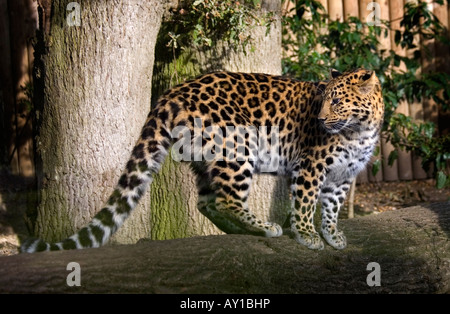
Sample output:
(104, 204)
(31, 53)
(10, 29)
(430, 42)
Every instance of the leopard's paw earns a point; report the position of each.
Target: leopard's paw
(272, 230)
(311, 241)
(336, 239)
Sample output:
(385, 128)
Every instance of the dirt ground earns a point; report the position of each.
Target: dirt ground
(369, 198)
(384, 196)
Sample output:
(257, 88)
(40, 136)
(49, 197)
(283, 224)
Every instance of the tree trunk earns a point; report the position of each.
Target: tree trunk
(410, 246)
(94, 68)
(173, 193)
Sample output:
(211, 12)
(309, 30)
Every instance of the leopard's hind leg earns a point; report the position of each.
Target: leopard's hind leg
(223, 192)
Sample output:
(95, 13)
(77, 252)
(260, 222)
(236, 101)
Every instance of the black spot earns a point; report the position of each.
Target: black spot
(215, 117)
(329, 160)
(164, 133)
(98, 233)
(239, 178)
(253, 102)
(195, 85)
(262, 78)
(224, 115)
(234, 166)
(210, 91)
(241, 89)
(204, 109)
(247, 173)
(53, 247)
(152, 146)
(220, 75)
(105, 217)
(84, 238)
(134, 182)
(213, 105)
(281, 125)
(225, 85)
(248, 77)
(175, 108)
(222, 163)
(276, 96)
(123, 206)
(69, 244)
(327, 190)
(123, 181)
(307, 185)
(163, 115)
(257, 114)
(221, 101)
(148, 133)
(319, 167)
(151, 124)
(207, 80)
(242, 187)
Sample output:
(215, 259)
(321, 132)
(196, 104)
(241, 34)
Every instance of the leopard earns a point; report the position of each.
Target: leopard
(325, 134)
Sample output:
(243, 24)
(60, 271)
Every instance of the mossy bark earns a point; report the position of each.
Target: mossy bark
(95, 92)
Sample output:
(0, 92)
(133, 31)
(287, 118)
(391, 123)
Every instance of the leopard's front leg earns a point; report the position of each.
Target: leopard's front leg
(305, 191)
(332, 198)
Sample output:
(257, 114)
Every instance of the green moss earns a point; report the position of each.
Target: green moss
(169, 205)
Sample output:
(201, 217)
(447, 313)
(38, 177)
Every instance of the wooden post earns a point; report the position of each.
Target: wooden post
(363, 12)
(351, 8)
(390, 173)
(441, 61)
(6, 91)
(336, 10)
(351, 201)
(22, 24)
(396, 11)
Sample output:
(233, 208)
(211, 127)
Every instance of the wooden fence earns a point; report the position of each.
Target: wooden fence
(18, 23)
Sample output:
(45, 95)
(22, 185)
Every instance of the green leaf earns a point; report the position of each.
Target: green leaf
(393, 156)
(376, 151)
(376, 167)
(441, 179)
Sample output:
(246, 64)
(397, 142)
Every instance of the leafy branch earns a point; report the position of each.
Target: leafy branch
(203, 22)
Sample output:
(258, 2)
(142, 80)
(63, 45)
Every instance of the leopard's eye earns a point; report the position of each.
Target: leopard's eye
(335, 101)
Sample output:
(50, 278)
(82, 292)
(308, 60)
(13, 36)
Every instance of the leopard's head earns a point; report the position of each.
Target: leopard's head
(351, 101)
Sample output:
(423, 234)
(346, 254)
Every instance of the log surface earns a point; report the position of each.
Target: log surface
(411, 246)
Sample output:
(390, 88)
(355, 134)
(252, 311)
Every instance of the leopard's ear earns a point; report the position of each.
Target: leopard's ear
(367, 82)
(334, 73)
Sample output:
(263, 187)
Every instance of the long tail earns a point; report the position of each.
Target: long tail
(146, 159)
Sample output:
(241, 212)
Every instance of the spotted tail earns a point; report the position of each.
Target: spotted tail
(146, 159)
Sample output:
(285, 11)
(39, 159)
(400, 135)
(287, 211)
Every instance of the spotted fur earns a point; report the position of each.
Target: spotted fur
(327, 132)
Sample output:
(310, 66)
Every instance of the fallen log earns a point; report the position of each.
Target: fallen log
(410, 246)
